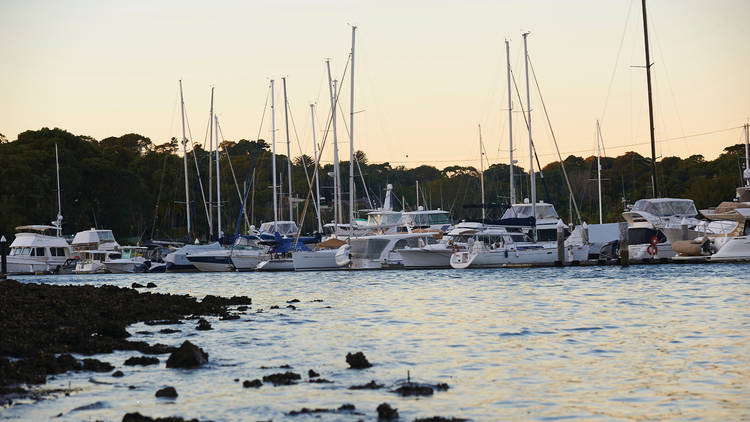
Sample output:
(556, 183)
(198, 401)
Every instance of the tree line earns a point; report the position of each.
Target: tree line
(137, 189)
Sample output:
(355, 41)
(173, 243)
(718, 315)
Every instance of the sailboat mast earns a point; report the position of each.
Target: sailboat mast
(316, 171)
(351, 140)
(336, 184)
(219, 233)
(184, 159)
(747, 155)
(210, 148)
(273, 156)
(650, 103)
(481, 170)
(531, 143)
(599, 169)
(510, 126)
(288, 149)
(58, 220)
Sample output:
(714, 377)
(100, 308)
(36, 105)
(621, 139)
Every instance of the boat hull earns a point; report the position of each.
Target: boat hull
(315, 260)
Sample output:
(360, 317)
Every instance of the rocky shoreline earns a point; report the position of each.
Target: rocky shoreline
(43, 324)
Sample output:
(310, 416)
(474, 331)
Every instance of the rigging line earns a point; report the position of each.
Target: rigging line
(302, 154)
(617, 60)
(356, 160)
(549, 123)
(315, 173)
(197, 170)
(533, 144)
(263, 115)
(226, 152)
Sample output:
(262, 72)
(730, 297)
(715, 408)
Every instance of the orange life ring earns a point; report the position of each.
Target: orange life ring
(454, 248)
(652, 250)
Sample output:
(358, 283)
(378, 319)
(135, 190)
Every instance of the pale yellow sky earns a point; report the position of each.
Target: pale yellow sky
(427, 72)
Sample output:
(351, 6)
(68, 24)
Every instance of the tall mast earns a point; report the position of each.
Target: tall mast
(336, 196)
(747, 155)
(288, 149)
(211, 146)
(219, 233)
(184, 159)
(650, 103)
(351, 140)
(416, 206)
(58, 220)
(273, 156)
(481, 169)
(531, 143)
(510, 126)
(317, 172)
(599, 169)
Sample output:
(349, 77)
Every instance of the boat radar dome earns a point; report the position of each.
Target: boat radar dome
(420, 208)
(525, 200)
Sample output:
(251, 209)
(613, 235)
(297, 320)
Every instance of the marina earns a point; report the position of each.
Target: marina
(524, 343)
(492, 211)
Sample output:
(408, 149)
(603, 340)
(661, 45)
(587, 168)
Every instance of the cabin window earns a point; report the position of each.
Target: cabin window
(39, 251)
(57, 251)
(26, 251)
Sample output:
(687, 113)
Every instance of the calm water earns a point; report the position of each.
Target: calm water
(602, 343)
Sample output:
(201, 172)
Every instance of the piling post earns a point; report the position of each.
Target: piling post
(560, 244)
(3, 260)
(624, 252)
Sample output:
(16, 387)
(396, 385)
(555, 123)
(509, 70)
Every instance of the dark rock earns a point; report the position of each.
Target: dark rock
(137, 285)
(118, 374)
(227, 301)
(141, 360)
(137, 417)
(286, 378)
(112, 329)
(144, 333)
(357, 361)
(187, 355)
(292, 307)
(151, 285)
(252, 384)
(153, 349)
(168, 331)
(344, 408)
(229, 317)
(163, 322)
(274, 307)
(132, 387)
(312, 374)
(242, 308)
(168, 391)
(95, 365)
(416, 389)
(440, 419)
(316, 300)
(320, 381)
(293, 301)
(284, 366)
(204, 325)
(372, 385)
(386, 412)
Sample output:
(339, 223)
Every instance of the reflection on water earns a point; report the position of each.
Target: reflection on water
(650, 342)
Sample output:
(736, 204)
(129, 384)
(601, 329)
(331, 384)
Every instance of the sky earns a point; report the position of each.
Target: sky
(427, 73)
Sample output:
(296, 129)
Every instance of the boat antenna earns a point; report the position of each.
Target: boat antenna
(510, 125)
(650, 103)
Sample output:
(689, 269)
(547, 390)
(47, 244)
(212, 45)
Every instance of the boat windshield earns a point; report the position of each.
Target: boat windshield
(368, 248)
(383, 219)
(426, 219)
(525, 211)
(666, 207)
(105, 236)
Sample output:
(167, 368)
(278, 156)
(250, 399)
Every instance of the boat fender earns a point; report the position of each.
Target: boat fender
(343, 258)
(506, 253)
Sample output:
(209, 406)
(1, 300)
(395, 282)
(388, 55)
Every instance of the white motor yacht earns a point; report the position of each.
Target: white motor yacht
(321, 257)
(132, 260)
(177, 261)
(93, 261)
(380, 251)
(646, 221)
(33, 251)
